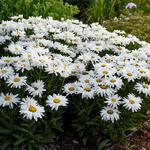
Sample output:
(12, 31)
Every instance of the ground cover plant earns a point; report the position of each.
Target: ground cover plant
(135, 23)
(58, 76)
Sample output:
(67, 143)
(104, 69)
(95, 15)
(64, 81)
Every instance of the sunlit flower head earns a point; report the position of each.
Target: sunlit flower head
(30, 109)
(9, 100)
(56, 100)
(110, 114)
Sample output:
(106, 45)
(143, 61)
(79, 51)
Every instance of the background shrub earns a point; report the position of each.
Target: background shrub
(136, 23)
(55, 8)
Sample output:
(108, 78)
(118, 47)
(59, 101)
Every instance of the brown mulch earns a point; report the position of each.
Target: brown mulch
(140, 140)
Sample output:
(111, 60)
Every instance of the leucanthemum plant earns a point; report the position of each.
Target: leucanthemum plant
(53, 67)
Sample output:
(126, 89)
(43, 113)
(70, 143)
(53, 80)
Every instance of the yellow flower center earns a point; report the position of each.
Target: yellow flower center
(97, 48)
(136, 65)
(87, 81)
(112, 80)
(132, 101)
(105, 72)
(85, 72)
(23, 65)
(148, 55)
(56, 100)
(119, 48)
(145, 86)
(3, 71)
(108, 60)
(130, 74)
(71, 88)
(8, 98)
(42, 60)
(16, 79)
(110, 111)
(142, 71)
(104, 87)
(6, 60)
(36, 88)
(103, 65)
(119, 68)
(98, 80)
(113, 100)
(29, 55)
(88, 89)
(32, 108)
(16, 49)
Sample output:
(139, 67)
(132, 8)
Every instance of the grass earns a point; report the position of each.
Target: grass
(136, 23)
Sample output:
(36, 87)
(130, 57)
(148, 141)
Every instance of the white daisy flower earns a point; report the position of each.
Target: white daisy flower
(8, 100)
(36, 88)
(102, 66)
(109, 113)
(106, 72)
(87, 91)
(143, 88)
(130, 73)
(22, 64)
(132, 103)
(16, 81)
(71, 88)
(16, 48)
(78, 68)
(30, 109)
(6, 72)
(86, 79)
(56, 101)
(104, 90)
(98, 80)
(6, 61)
(114, 82)
(113, 100)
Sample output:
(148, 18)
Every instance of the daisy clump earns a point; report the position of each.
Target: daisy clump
(79, 62)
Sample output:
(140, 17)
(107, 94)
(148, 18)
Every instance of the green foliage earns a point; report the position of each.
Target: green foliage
(99, 10)
(79, 3)
(136, 24)
(55, 8)
(17, 133)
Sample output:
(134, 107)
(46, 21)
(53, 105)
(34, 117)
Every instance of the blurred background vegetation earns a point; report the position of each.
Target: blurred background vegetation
(113, 15)
(55, 8)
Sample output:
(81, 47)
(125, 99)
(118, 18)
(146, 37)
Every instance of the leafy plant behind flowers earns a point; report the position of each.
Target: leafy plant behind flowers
(55, 8)
(46, 65)
(99, 10)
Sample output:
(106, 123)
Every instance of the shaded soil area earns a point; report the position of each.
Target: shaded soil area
(138, 140)
(67, 142)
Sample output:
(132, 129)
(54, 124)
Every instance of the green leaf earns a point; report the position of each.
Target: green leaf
(5, 145)
(103, 144)
(20, 141)
(5, 131)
